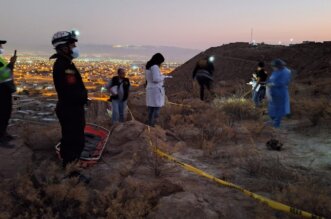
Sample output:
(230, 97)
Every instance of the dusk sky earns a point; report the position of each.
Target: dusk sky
(197, 24)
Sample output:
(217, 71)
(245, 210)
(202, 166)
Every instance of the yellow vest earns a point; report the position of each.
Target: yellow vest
(5, 72)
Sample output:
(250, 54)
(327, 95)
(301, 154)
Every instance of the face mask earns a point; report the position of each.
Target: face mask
(2, 51)
(75, 53)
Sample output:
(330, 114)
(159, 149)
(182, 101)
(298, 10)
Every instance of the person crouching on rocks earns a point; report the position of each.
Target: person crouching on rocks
(155, 93)
(119, 88)
(203, 73)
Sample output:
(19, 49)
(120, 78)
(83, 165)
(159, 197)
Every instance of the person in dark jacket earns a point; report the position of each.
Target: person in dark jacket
(119, 87)
(259, 89)
(203, 73)
(7, 88)
(72, 96)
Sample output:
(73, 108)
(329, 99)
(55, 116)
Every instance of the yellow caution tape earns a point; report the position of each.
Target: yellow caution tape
(132, 117)
(273, 204)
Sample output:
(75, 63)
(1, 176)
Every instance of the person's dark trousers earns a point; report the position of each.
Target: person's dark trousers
(72, 121)
(204, 82)
(5, 108)
(261, 94)
(153, 114)
(258, 96)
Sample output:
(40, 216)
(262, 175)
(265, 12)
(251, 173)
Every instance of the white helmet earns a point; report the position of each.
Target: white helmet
(63, 37)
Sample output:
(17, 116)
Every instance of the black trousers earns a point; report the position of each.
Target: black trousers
(204, 82)
(72, 120)
(153, 115)
(5, 108)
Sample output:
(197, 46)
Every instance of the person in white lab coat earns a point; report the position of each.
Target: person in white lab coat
(155, 93)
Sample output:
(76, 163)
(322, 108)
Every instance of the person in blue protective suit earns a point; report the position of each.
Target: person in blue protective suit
(277, 92)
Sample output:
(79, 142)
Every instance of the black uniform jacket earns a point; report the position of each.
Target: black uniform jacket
(68, 82)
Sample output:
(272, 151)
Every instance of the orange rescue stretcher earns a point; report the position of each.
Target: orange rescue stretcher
(96, 138)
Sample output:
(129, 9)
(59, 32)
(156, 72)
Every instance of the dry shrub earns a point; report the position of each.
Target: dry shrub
(126, 203)
(209, 149)
(67, 199)
(156, 166)
(309, 193)
(205, 130)
(41, 137)
(133, 198)
(238, 109)
(159, 167)
(316, 110)
(267, 172)
(200, 125)
(42, 193)
(242, 90)
(97, 113)
(167, 113)
(268, 167)
(296, 187)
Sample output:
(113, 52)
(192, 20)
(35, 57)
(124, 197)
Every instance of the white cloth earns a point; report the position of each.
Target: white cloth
(114, 90)
(253, 84)
(155, 93)
(257, 88)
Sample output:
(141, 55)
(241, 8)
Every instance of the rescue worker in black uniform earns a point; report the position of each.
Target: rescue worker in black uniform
(7, 88)
(203, 73)
(72, 96)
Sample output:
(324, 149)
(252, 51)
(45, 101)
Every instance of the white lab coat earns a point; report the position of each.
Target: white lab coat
(155, 93)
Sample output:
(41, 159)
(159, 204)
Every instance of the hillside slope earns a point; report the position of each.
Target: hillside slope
(311, 64)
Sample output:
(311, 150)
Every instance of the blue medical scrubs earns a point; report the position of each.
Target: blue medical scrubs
(279, 105)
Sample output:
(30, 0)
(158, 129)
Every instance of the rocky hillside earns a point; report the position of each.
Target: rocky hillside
(311, 64)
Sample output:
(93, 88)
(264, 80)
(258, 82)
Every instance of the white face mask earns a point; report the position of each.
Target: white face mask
(2, 51)
(75, 53)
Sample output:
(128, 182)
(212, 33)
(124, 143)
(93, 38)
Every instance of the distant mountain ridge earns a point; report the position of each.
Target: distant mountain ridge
(131, 52)
(141, 52)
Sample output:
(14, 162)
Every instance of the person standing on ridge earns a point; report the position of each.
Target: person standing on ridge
(72, 95)
(203, 73)
(119, 87)
(7, 88)
(259, 89)
(277, 92)
(155, 93)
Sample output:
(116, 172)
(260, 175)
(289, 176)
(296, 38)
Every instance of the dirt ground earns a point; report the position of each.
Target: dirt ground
(132, 182)
(224, 136)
